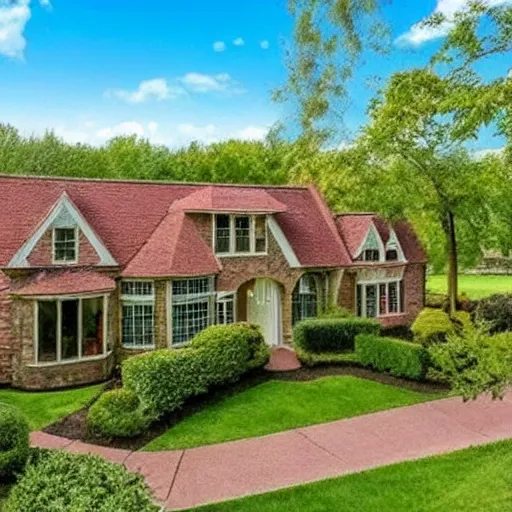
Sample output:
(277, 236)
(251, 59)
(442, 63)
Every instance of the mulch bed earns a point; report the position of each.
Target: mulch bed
(74, 426)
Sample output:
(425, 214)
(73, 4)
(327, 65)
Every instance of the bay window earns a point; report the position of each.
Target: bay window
(138, 299)
(225, 308)
(70, 329)
(240, 234)
(193, 302)
(379, 299)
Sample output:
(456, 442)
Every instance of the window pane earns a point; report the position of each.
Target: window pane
(138, 325)
(192, 286)
(222, 233)
(371, 300)
(242, 234)
(391, 255)
(188, 319)
(260, 228)
(371, 255)
(359, 300)
(47, 331)
(304, 299)
(137, 288)
(69, 328)
(64, 244)
(402, 296)
(393, 298)
(92, 326)
(382, 300)
(225, 310)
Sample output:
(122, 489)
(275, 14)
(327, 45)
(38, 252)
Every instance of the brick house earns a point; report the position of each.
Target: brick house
(92, 271)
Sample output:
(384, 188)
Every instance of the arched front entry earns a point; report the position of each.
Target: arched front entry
(259, 301)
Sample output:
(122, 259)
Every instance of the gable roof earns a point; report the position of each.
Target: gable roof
(174, 249)
(354, 227)
(125, 215)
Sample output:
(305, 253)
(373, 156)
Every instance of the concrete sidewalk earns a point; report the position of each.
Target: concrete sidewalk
(187, 478)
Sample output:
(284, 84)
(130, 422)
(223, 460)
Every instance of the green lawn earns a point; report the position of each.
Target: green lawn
(276, 405)
(474, 286)
(471, 480)
(44, 408)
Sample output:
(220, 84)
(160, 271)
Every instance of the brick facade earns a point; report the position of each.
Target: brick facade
(41, 255)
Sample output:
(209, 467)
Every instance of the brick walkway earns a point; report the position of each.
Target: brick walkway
(187, 478)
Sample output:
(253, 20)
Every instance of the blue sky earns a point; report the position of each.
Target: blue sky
(172, 70)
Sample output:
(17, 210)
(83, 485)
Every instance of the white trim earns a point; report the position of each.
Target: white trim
(20, 259)
(77, 246)
(394, 243)
(381, 248)
(71, 361)
(283, 243)
(58, 301)
(232, 235)
(386, 282)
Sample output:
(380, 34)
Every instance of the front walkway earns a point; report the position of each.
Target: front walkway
(187, 478)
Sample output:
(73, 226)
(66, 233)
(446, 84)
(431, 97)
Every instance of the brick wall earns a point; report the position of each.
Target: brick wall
(347, 291)
(7, 342)
(41, 255)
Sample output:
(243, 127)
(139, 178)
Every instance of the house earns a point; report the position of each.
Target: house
(93, 271)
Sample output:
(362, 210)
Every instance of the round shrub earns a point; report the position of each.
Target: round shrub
(14, 441)
(85, 483)
(434, 325)
(118, 413)
(496, 310)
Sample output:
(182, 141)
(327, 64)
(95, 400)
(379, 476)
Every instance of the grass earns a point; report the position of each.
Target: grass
(471, 480)
(43, 408)
(276, 406)
(475, 286)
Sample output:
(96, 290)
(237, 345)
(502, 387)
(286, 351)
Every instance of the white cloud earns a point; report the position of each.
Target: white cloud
(252, 133)
(13, 19)
(219, 46)
(265, 44)
(482, 153)
(201, 83)
(238, 41)
(419, 34)
(156, 89)
(125, 128)
(46, 4)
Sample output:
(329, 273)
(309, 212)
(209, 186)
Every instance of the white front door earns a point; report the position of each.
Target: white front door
(264, 309)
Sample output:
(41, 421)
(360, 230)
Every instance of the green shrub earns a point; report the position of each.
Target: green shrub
(495, 310)
(434, 325)
(336, 312)
(320, 335)
(325, 358)
(436, 300)
(164, 379)
(61, 481)
(399, 358)
(118, 413)
(14, 441)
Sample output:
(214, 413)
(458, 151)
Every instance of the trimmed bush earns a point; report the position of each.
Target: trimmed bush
(320, 335)
(118, 413)
(164, 379)
(85, 483)
(336, 312)
(496, 310)
(399, 358)
(14, 442)
(434, 325)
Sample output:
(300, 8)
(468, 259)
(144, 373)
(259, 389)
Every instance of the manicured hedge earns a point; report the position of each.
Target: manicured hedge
(399, 358)
(60, 481)
(118, 413)
(320, 335)
(434, 325)
(14, 442)
(164, 379)
(495, 310)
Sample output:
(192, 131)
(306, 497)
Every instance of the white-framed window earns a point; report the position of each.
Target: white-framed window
(65, 245)
(240, 234)
(226, 308)
(371, 255)
(304, 299)
(138, 304)
(193, 307)
(70, 329)
(379, 299)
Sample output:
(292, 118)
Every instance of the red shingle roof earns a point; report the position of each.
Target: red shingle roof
(174, 249)
(125, 215)
(65, 282)
(353, 228)
(229, 199)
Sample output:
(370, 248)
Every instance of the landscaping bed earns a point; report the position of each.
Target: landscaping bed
(74, 426)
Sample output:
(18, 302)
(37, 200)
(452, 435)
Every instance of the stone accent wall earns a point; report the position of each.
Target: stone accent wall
(7, 342)
(41, 256)
(347, 292)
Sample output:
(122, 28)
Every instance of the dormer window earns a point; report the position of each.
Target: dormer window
(391, 255)
(65, 245)
(240, 234)
(371, 255)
